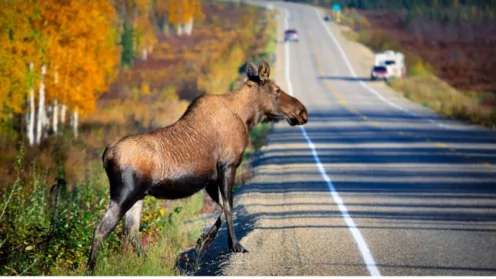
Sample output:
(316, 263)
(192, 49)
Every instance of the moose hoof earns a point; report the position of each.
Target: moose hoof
(203, 242)
(237, 248)
(200, 243)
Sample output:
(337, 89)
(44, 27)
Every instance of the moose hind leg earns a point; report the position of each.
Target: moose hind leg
(206, 238)
(107, 224)
(131, 227)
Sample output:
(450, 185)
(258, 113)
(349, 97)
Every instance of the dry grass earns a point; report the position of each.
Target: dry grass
(350, 35)
(436, 94)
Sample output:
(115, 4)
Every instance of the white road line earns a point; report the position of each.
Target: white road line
(355, 232)
(370, 89)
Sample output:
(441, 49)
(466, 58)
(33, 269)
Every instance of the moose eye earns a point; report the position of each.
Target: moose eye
(278, 90)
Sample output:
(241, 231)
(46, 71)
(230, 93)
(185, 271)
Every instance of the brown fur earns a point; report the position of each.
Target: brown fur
(201, 150)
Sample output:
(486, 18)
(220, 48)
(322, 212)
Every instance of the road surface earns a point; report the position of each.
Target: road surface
(373, 185)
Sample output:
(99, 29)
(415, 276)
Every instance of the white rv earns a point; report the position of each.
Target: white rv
(388, 64)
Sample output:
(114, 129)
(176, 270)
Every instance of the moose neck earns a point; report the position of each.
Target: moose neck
(246, 104)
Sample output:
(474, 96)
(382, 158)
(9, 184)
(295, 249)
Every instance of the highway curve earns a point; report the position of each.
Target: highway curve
(374, 184)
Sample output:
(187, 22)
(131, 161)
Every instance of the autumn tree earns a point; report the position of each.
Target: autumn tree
(138, 19)
(64, 50)
(182, 13)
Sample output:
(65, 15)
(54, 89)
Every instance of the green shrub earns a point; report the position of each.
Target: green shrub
(48, 229)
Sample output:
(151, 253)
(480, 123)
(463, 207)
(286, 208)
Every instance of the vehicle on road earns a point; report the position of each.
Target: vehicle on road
(379, 72)
(327, 18)
(291, 35)
(388, 64)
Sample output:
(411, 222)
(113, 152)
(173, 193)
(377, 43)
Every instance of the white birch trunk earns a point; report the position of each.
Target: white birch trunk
(41, 106)
(144, 54)
(55, 109)
(63, 109)
(55, 116)
(166, 30)
(30, 118)
(188, 27)
(46, 119)
(179, 29)
(75, 119)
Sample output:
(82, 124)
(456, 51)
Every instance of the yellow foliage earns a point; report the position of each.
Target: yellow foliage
(474, 11)
(75, 40)
(182, 11)
(169, 93)
(145, 89)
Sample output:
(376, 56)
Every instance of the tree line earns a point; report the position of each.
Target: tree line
(57, 57)
(397, 4)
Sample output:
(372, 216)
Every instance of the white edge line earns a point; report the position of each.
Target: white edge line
(370, 89)
(355, 232)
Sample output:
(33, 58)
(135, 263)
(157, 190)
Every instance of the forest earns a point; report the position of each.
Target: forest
(77, 75)
(58, 57)
(384, 4)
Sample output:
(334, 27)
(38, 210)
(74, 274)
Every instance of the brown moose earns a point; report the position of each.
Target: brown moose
(201, 150)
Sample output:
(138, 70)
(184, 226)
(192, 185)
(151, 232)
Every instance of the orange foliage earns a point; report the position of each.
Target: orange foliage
(181, 11)
(19, 46)
(75, 39)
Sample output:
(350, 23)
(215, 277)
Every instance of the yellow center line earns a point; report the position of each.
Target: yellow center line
(326, 82)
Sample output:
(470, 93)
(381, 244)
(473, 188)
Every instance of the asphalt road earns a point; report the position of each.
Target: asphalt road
(373, 185)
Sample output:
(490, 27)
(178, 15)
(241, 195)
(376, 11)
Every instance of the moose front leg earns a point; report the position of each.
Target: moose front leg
(227, 176)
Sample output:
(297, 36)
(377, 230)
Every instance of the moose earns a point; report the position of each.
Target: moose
(200, 150)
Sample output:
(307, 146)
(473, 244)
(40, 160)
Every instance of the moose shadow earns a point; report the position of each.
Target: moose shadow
(209, 261)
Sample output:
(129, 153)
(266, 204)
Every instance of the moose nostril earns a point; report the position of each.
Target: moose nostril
(304, 116)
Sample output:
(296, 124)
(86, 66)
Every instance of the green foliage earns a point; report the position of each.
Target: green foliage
(169, 93)
(420, 68)
(257, 135)
(47, 230)
(127, 43)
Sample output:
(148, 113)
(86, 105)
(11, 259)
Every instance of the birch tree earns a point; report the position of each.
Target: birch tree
(182, 13)
(41, 106)
(30, 113)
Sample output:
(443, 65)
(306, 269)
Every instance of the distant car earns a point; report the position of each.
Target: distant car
(393, 61)
(291, 35)
(379, 72)
(327, 18)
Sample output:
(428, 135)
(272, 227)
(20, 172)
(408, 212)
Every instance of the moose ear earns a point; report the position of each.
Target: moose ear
(264, 71)
(251, 71)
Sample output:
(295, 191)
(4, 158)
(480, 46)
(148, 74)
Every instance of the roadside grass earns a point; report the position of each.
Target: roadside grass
(257, 140)
(436, 94)
(258, 134)
(350, 35)
(48, 230)
(162, 248)
(421, 84)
